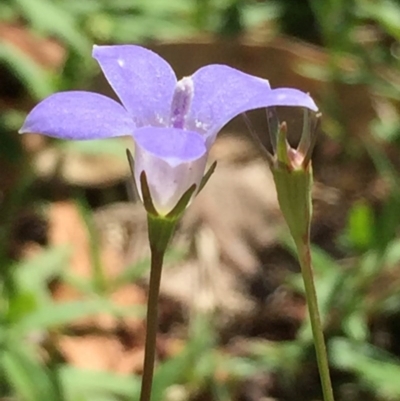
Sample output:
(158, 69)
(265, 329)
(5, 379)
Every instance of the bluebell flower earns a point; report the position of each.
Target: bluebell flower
(173, 123)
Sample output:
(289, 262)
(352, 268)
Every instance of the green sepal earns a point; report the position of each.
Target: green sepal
(294, 196)
(160, 227)
(313, 139)
(180, 207)
(207, 176)
(160, 231)
(282, 147)
(131, 162)
(305, 139)
(273, 126)
(147, 201)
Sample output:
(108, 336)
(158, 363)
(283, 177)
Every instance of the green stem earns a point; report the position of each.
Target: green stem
(152, 324)
(303, 249)
(160, 233)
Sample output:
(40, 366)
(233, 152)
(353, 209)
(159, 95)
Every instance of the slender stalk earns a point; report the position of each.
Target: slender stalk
(303, 249)
(157, 258)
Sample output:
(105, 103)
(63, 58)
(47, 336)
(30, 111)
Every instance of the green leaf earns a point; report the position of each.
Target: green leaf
(360, 226)
(285, 357)
(392, 255)
(355, 326)
(386, 13)
(133, 273)
(53, 19)
(21, 304)
(193, 365)
(37, 80)
(376, 370)
(86, 383)
(54, 315)
(29, 379)
(258, 13)
(34, 275)
(31, 278)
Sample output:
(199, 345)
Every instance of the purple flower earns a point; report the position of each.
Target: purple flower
(174, 123)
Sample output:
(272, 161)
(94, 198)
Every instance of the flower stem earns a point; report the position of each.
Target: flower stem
(304, 253)
(152, 324)
(160, 233)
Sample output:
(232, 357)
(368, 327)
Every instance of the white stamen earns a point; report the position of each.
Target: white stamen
(181, 101)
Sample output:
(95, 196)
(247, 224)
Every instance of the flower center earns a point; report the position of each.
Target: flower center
(181, 102)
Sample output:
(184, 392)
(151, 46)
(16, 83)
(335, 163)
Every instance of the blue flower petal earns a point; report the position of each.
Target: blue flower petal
(173, 145)
(288, 97)
(143, 81)
(79, 115)
(221, 93)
